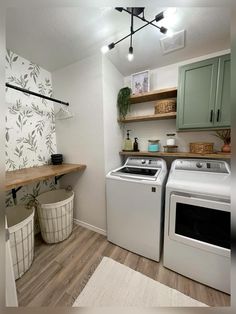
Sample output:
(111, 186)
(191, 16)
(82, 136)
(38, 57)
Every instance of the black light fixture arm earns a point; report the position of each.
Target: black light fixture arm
(134, 31)
(132, 28)
(20, 89)
(142, 18)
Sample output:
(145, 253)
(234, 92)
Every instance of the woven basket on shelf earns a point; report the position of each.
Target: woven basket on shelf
(201, 148)
(165, 106)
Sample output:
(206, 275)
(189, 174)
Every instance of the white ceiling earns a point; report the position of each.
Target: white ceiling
(54, 38)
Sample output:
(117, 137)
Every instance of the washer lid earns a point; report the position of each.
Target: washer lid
(140, 173)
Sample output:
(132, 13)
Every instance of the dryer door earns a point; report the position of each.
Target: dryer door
(201, 223)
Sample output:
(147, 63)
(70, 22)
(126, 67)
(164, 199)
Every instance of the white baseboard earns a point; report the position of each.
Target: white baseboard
(90, 227)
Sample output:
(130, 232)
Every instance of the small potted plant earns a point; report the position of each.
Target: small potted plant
(123, 101)
(225, 135)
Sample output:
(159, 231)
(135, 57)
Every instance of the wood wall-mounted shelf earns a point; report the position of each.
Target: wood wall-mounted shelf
(178, 154)
(21, 177)
(163, 116)
(154, 95)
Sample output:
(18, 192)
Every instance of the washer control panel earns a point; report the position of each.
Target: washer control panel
(144, 162)
(202, 165)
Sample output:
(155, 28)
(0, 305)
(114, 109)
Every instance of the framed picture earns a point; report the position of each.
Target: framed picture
(140, 82)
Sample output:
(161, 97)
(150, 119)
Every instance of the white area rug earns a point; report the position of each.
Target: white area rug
(114, 284)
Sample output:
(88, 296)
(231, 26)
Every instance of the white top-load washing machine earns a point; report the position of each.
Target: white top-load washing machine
(135, 196)
(197, 221)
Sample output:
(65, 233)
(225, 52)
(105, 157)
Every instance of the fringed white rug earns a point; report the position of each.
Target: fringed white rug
(114, 284)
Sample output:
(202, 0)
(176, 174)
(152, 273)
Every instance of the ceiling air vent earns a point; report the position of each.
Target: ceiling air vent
(175, 42)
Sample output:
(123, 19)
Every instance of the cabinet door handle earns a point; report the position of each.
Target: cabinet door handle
(218, 115)
(211, 118)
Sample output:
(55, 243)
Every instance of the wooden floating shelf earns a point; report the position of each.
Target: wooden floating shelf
(178, 154)
(154, 95)
(162, 116)
(21, 177)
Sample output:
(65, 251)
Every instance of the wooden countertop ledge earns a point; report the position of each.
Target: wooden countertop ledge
(26, 176)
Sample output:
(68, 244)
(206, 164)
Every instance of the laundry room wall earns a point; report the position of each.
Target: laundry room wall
(30, 136)
(81, 138)
(165, 77)
(113, 81)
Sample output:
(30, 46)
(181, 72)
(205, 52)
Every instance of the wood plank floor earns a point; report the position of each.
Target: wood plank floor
(60, 271)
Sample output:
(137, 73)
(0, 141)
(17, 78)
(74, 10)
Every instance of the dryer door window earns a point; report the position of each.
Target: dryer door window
(203, 224)
(200, 223)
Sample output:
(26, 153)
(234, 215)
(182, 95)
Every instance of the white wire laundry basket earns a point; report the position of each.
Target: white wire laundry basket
(20, 222)
(55, 213)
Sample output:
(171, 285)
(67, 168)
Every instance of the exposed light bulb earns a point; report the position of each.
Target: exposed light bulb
(169, 12)
(169, 33)
(104, 49)
(130, 54)
(130, 57)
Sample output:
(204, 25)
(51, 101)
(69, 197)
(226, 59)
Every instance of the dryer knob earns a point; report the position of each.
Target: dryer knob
(199, 165)
(143, 161)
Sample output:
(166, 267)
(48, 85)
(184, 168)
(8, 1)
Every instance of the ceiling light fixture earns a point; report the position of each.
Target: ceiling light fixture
(137, 12)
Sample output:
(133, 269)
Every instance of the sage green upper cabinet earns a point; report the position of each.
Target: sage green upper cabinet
(203, 94)
(222, 111)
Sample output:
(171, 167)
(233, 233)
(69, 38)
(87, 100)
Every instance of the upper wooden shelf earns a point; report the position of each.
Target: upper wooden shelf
(26, 176)
(162, 116)
(178, 154)
(154, 95)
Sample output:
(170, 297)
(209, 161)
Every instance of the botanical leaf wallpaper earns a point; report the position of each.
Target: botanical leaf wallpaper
(30, 123)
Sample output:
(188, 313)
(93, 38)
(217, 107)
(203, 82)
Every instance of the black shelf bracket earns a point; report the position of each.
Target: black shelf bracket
(14, 191)
(58, 178)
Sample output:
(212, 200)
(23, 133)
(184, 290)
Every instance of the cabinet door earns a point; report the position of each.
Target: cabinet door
(222, 110)
(196, 94)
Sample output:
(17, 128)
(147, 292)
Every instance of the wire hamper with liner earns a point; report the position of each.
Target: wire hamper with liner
(55, 213)
(20, 222)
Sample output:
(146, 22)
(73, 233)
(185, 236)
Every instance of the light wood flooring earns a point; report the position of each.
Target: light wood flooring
(60, 271)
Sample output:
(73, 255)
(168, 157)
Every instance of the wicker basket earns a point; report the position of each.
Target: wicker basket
(165, 106)
(201, 148)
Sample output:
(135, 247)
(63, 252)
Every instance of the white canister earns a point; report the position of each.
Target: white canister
(170, 139)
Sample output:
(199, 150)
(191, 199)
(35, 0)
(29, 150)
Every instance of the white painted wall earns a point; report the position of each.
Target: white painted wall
(112, 82)
(81, 139)
(165, 77)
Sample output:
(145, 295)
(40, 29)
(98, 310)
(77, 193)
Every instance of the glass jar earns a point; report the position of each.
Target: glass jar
(153, 145)
(170, 139)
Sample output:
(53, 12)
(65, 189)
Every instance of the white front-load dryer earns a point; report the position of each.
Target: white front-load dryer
(197, 221)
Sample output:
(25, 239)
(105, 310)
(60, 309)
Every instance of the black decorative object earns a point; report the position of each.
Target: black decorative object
(57, 159)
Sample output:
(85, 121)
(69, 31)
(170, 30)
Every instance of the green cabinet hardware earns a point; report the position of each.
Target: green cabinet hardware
(203, 100)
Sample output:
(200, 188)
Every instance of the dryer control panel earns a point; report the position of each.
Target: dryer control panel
(202, 165)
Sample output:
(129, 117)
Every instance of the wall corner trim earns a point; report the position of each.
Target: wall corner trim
(90, 227)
